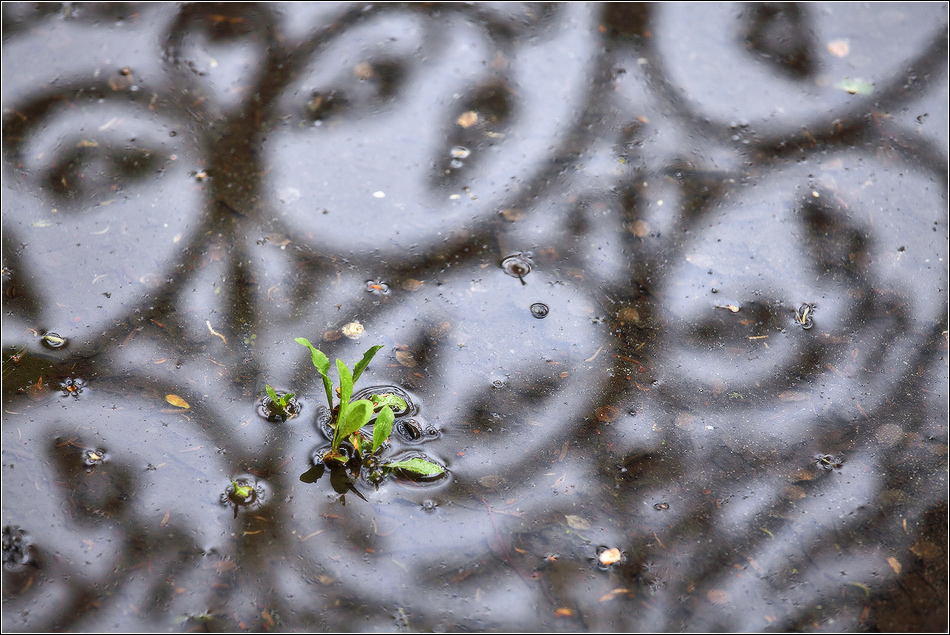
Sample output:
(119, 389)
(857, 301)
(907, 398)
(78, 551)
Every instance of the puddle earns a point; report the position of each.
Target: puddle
(664, 294)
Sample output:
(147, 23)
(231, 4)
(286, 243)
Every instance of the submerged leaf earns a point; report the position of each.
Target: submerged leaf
(389, 399)
(417, 466)
(855, 86)
(177, 401)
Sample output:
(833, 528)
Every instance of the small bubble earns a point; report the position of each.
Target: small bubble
(459, 152)
(539, 310)
(409, 430)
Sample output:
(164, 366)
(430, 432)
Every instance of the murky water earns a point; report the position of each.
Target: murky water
(665, 289)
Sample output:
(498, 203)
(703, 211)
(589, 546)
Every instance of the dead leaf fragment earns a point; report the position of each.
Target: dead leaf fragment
(576, 522)
(640, 228)
(794, 395)
(177, 401)
(512, 215)
(895, 564)
(563, 612)
(839, 48)
(406, 359)
(685, 421)
(612, 594)
(926, 550)
(718, 597)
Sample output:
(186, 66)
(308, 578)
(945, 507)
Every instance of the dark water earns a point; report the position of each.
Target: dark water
(670, 281)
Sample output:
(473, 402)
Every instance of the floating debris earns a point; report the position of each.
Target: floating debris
(611, 556)
(177, 401)
(804, 316)
(353, 330)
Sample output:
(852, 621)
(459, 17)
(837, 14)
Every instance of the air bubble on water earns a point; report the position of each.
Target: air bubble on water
(539, 310)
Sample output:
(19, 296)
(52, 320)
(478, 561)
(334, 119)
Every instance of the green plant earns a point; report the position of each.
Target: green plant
(281, 406)
(241, 492)
(349, 417)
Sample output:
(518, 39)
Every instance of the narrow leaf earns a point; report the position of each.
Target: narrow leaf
(363, 363)
(272, 394)
(382, 427)
(346, 384)
(322, 363)
(352, 419)
(418, 466)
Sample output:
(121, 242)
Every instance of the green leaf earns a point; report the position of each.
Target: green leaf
(389, 399)
(382, 427)
(241, 491)
(322, 363)
(273, 395)
(346, 384)
(363, 363)
(856, 86)
(418, 466)
(356, 415)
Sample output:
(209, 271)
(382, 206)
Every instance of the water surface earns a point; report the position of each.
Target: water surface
(670, 281)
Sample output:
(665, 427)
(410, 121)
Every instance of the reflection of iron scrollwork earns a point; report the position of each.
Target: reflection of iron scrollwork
(178, 218)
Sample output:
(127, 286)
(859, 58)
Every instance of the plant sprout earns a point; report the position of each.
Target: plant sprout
(242, 492)
(349, 416)
(281, 406)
